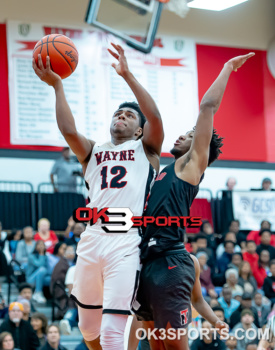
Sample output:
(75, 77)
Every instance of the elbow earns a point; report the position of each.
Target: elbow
(209, 104)
(68, 133)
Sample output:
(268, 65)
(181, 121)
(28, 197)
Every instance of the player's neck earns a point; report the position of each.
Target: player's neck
(119, 141)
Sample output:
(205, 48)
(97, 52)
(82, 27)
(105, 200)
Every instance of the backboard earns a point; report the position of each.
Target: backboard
(134, 21)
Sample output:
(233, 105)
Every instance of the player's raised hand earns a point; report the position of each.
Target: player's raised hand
(122, 66)
(45, 74)
(238, 61)
(222, 328)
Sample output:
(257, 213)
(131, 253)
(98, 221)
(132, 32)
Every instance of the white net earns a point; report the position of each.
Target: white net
(178, 6)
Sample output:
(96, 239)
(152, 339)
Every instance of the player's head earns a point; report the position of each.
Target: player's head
(128, 121)
(183, 145)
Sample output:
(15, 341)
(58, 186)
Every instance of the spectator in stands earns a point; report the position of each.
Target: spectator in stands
(231, 276)
(205, 276)
(262, 310)
(7, 342)
(227, 303)
(37, 273)
(219, 312)
(231, 343)
(207, 229)
(26, 292)
(66, 171)
(261, 270)
(53, 339)
(250, 255)
(13, 240)
(59, 252)
(201, 245)
(25, 247)
(3, 307)
(235, 227)
(246, 303)
(27, 310)
(255, 235)
(269, 283)
(46, 235)
(231, 183)
(246, 323)
(246, 279)
(230, 236)
(22, 332)
(77, 229)
(208, 341)
(266, 184)
(3, 234)
(226, 257)
(39, 323)
(236, 261)
(265, 238)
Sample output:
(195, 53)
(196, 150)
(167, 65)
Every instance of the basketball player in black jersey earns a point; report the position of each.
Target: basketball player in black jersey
(170, 275)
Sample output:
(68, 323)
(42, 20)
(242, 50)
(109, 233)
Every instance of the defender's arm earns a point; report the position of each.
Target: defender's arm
(199, 151)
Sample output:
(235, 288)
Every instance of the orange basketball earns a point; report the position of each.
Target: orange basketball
(62, 51)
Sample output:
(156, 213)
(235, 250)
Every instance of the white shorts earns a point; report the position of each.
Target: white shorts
(107, 271)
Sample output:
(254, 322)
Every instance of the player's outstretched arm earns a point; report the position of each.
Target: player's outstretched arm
(153, 133)
(65, 120)
(199, 151)
(201, 305)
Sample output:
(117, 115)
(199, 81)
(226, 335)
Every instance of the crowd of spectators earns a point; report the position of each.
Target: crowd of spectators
(47, 263)
(237, 279)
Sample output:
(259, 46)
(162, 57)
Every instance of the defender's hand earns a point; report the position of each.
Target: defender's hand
(45, 74)
(238, 61)
(122, 66)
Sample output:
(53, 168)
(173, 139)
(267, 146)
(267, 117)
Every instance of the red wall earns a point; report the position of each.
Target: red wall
(246, 118)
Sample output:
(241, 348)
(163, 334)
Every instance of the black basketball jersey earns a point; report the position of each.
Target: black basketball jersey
(170, 196)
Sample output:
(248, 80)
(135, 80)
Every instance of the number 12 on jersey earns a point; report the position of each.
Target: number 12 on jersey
(118, 171)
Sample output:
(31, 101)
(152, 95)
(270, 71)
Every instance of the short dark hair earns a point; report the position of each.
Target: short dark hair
(265, 230)
(272, 262)
(200, 236)
(24, 285)
(250, 241)
(238, 253)
(226, 242)
(135, 106)
(218, 308)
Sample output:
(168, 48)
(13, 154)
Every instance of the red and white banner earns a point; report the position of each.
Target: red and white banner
(94, 90)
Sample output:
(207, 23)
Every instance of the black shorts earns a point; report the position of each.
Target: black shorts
(164, 293)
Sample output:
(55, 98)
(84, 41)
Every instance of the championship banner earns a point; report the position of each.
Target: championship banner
(251, 207)
(94, 91)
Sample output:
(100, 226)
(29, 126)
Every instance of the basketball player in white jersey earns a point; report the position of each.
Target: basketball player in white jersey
(117, 173)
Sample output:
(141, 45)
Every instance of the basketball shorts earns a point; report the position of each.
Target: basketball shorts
(107, 271)
(164, 292)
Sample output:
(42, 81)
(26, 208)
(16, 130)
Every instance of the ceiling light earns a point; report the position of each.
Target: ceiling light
(214, 5)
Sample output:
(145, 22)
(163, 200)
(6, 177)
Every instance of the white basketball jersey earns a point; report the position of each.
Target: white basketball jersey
(119, 176)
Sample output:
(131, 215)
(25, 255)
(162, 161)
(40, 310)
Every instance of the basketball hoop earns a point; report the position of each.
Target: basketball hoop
(178, 6)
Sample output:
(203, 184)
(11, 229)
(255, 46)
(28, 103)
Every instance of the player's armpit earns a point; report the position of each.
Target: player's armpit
(80, 146)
